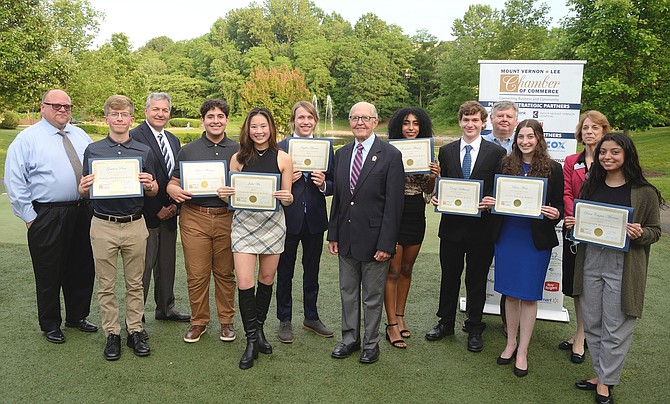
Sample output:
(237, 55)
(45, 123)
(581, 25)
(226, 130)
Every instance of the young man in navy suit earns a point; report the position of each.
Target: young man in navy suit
(306, 221)
(466, 237)
(364, 221)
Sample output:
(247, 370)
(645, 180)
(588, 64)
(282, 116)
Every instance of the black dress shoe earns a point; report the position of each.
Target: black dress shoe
(55, 336)
(475, 343)
(175, 316)
(586, 385)
(83, 325)
(438, 332)
(112, 350)
(505, 361)
(520, 372)
(370, 355)
(600, 399)
(565, 345)
(576, 358)
(140, 348)
(343, 350)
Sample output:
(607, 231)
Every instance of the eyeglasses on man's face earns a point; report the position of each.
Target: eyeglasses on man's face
(57, 107)
(117, 115)
(366, 119)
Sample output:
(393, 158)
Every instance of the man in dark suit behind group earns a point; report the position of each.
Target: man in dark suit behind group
(306, 220)
(466, 236)
(363, 229)
(160, 212)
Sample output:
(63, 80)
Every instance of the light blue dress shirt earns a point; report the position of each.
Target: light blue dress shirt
(506, 144)
(38, 169)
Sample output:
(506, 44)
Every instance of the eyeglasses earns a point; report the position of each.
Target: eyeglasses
(57, 107)
(365, 119)
(116, 115)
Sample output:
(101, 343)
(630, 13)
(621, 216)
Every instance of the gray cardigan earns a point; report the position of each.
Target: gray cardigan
(646, 212)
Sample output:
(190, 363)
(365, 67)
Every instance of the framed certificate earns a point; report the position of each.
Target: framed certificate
(417, 154)
(202, 178)
(519, 196)
(458, 196)
(253, 191)
(602, 224)
(310, 154)
(116, 178)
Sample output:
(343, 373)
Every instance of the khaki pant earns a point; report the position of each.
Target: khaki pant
(107, 240)
(206, 241)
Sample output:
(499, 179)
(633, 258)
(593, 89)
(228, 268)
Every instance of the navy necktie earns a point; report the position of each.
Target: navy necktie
(467, 162)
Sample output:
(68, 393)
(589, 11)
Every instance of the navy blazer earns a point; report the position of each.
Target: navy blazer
(470, 229)
(307, 196)
(369, 219)
(152, 206)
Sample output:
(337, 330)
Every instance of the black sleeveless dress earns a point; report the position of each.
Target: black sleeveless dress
(259, 232)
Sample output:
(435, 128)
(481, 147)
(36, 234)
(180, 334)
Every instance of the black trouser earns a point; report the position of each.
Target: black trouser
(60, 248)
(478, 259)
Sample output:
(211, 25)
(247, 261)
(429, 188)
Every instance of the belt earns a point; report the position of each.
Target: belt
(80, 202)
(211, 211)
(118, 219)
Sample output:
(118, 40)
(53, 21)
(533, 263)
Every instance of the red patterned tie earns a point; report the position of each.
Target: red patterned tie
(356, 168)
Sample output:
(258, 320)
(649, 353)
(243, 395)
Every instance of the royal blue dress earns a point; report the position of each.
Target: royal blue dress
(520, 268)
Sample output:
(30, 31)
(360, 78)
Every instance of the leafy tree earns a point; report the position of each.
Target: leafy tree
(276, 89)
(625, 44)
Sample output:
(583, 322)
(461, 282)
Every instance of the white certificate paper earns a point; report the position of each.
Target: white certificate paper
(203, 178)
(116, 178)
(253, 191)
(458, 196)
(602, 224)
(417, 154)
(519, 196)
(310, 154)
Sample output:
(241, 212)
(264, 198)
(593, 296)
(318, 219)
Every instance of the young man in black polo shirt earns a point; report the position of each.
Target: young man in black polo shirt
(118, 225)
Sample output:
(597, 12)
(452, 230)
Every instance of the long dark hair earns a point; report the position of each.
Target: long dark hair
(247, 148)
(632, 171)
(395, 123)
(540, 166)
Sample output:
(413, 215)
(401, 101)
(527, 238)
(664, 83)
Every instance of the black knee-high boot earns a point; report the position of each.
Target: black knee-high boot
(263, 297)
(248, 312)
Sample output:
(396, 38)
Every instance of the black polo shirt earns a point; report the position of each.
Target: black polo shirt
(204, 149)
(108, 148)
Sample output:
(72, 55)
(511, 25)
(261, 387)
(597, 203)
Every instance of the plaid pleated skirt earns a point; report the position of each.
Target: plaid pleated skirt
(258, 232)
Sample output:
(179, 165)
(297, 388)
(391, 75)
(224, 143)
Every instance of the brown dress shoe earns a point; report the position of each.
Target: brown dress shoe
(194, 333)
(227, 333)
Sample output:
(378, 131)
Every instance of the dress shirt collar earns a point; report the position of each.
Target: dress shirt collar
(475, 144)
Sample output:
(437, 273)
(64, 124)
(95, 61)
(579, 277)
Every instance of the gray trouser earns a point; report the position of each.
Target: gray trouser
(609, 331)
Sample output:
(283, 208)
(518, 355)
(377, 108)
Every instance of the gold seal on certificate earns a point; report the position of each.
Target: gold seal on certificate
(309, 154)
(417, 154)
(519, 196)
(601, 224)
(254, 191)
(116, 178)
(458, 196)
(202, 178)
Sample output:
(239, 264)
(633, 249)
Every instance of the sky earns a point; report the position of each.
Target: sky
(177, 19)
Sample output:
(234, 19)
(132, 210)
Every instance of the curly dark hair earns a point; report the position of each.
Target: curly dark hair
(247, 153)
(396, 121)
(212, 103)
(631, 168)
(540, 166)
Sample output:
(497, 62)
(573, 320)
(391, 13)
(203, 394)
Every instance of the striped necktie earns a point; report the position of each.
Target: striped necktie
(166, 154)
(356, 168)
(467, 162)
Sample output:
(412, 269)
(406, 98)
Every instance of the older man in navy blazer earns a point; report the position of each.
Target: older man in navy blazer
(306, 221)
(363, 228)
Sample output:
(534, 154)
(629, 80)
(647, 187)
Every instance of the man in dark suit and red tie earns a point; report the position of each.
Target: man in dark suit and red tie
(306, 221)
(363, 229)
(466, 237)
(160, 212)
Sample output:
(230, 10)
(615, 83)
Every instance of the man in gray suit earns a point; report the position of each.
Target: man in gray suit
(364, 221)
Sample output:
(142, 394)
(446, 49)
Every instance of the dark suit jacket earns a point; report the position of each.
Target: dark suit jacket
(544, 230)
(152, 206)
(369, 219)
(306, 194)
(457, 228)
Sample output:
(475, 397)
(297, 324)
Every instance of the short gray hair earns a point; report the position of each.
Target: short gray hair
(373, 109)
(158, 97)
(504, 106)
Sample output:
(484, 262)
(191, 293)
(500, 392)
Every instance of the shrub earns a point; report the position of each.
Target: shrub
(10, 120)
(93, 129)
(182, 122)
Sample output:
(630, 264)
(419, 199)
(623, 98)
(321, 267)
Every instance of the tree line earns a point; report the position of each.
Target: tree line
(282, 49)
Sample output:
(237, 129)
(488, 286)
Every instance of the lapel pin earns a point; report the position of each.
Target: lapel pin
(374, 158)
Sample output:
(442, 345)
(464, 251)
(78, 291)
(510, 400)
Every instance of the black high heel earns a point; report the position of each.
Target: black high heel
(395, 343)
(505, 361)
(403, 333)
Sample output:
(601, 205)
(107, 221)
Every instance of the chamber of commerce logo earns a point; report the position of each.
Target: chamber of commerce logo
(537, 82)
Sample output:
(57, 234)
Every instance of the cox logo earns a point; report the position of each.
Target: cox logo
(556, 144)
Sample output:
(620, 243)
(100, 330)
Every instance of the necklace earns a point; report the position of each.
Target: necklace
(261, 152)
